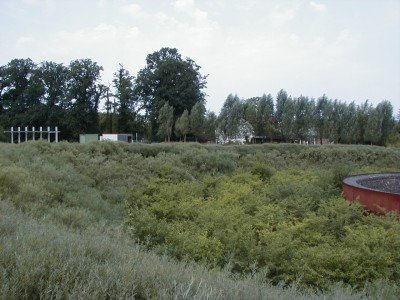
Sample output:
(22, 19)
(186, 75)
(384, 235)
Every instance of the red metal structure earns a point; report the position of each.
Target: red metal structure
(357, 189)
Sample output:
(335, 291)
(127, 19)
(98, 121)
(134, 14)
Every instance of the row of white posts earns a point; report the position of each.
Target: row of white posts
(34, 133)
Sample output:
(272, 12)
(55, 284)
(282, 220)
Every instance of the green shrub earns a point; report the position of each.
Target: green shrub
(266, 213)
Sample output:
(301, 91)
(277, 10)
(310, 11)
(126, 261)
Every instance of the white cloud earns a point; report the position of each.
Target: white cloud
(132, 9)
(318, 7)
(184, 5)
(24, 40)
(281, 15)
(33, 2)
(102, 39)
(202, 21)
(246, 5)
(40, 3)
(102, 3)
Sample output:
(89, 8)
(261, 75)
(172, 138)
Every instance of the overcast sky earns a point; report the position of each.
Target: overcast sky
(347, 49)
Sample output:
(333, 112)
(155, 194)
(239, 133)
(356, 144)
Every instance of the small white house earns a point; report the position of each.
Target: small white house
(117, 137)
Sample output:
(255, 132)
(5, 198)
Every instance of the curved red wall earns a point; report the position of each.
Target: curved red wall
(373, 200)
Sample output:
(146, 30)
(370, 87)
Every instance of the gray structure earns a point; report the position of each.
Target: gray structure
(85, 138)
(17, 135)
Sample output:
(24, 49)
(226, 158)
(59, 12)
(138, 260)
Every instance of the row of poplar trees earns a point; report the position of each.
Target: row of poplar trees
(166, 101)
(303, 119)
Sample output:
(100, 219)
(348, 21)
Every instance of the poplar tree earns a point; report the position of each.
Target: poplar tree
(321, 116)
(197, 120)
(182, 125)
(165, 121)
(210, 126)
(281, 100)
(231, 117)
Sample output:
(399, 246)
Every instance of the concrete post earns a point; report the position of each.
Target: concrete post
(33, 133)
(19, 135)
(12, 135)
(41, 132)
(26, 133)
(48, 134)
(56, 134)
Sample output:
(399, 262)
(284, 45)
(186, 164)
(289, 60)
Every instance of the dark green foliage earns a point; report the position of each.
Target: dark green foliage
(167, 77)
(20, 94)
(125, 101)
(51, 95)
(2, 134)
(84, 93)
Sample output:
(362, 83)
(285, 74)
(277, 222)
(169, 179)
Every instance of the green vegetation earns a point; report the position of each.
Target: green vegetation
(183, 221)
(166, 101)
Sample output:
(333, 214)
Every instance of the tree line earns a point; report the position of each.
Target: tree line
(304, 119)
(166, 101)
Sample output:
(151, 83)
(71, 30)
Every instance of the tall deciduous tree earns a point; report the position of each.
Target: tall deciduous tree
(165, 121)
(54, 77)
(84, 93)
(168, 77)
(125, 100)
(107, 124)
(21, 91)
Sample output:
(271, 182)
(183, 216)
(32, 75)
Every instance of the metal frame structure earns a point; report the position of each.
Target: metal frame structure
(25, 133)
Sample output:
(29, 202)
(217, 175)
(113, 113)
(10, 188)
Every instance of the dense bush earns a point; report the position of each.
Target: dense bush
(286, 226)
(271, 213)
